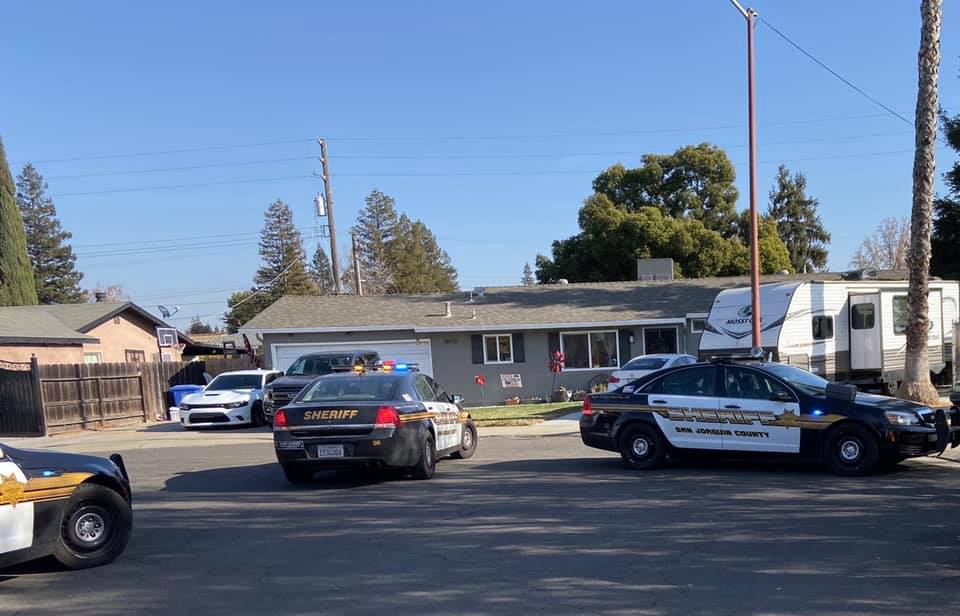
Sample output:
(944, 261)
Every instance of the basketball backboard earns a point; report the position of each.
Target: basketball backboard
(167, 336)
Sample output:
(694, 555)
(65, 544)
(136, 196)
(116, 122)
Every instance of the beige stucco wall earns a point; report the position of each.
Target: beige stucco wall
(131, 333)
(66, 354)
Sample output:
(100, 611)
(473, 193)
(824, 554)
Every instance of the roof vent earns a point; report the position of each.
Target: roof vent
(447, 310)
(864, 274)
(100, 296)
(563, 281)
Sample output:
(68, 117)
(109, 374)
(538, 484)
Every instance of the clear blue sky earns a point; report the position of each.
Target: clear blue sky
(487, 120)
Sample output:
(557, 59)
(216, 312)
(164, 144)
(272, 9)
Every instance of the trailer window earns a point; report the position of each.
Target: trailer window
(901, 313)
(862, 316)
(822, 328)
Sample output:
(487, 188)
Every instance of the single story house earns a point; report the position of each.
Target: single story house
(506, 335)
(83, 333)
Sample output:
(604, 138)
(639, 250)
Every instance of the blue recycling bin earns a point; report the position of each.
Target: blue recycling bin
(180, 391)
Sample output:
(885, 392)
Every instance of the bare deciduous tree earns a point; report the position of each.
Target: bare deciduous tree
(886, 248)
(916, 383)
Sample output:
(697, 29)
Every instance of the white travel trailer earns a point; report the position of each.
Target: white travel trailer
(843, 330)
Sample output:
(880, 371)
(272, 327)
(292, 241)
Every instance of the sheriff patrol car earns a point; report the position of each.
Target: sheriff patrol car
(74, 507)
(761, 408)
(387, 416)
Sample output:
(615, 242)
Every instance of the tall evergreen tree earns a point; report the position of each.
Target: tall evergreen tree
(284, 261)
(945, 238)
(418, 264)
(54, 264)
(243, 306)
(375, 229)
(322, 273)
(17, 286)
(798, 222)
(199, 327)
(527, 280)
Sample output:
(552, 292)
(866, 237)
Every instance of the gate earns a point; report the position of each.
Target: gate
(21, 412)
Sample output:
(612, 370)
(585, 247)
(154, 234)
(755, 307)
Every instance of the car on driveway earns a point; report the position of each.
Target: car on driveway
(230, 399)
(391, 416)
(308, 367)
(646, 364)
(73, 507)
(758, 408)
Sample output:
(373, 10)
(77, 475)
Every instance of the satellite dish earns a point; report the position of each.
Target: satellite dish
(166, 312)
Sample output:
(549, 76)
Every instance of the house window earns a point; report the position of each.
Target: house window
(92, 357)
(697, 325)
(659, 340)
(166, 356)
(822, 327)
(590, 350)
(135, 357)
(116, 320)
(498, 349)
(901, 314)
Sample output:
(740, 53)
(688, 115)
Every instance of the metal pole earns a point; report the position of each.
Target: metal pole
(328, 197)
(357, 281)
(754, 219)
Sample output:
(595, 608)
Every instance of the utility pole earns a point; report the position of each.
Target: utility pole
(357, 281)
(750, 15)
(328, 197)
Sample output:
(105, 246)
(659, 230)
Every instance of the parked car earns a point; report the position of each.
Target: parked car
(308, 367)
(389, 417)
(761, 409)
(231, 398)
(644, 365)
(73, 507)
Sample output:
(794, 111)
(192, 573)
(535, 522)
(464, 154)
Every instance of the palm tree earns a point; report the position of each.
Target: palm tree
(916, 384)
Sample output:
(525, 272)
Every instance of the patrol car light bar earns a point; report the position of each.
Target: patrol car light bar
(387, 366)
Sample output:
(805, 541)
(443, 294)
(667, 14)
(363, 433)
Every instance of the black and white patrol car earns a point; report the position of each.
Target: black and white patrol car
(390, 416)
(74, 507)
(761, 408)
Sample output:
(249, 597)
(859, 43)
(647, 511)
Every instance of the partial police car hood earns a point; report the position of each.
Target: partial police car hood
(886, 403)
(292, 382)
(33, 461)
(218, 396)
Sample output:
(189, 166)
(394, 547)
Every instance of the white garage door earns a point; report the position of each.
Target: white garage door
(410, 351)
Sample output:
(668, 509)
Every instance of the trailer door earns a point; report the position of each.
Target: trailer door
(866, 352)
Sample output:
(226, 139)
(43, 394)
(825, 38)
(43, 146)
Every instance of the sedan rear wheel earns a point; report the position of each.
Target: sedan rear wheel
(642, 447)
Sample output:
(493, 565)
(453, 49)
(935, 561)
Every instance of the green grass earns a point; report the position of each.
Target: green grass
(521, 414)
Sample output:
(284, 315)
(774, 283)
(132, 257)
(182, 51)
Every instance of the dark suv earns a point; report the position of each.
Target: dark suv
(308, 367)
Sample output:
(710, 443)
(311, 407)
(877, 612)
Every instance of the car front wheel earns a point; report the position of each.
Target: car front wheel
(95, 527)
(468, 442)
(851, 450)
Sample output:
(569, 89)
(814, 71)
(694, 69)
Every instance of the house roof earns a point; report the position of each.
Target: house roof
(502, 307)
(63, 323)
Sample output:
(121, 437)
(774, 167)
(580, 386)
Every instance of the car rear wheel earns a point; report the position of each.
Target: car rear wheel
(297, 475)
(851, 450)
(427, 464)
(95, 527)
(642, 447)
(468, 442)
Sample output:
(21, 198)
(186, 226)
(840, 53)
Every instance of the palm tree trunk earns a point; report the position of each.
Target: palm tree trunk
(916, 384)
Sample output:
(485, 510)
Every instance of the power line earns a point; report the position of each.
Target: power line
(175, 186)
(183, 168)
(204, 148)
(835, 73)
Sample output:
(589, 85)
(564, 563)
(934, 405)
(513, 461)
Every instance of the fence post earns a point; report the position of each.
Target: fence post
(143, 395)
(99, 382)
(38, 393)
(83, 408)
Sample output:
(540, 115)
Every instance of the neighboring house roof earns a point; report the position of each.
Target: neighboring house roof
(506, 307)
(28, 325)
(65, 321)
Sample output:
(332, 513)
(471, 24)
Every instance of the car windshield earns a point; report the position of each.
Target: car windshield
(235, 381)
(368, 387)
(801, 379)
(645, 363)
(319, 364)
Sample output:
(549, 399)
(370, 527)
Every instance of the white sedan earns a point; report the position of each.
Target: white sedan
(644, 365)
(231, 398)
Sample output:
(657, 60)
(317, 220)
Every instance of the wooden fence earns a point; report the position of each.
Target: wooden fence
(49, 398)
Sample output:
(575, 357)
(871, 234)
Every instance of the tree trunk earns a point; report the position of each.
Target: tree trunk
(916, 384)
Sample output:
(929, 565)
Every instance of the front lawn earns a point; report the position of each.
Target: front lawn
(521, 414)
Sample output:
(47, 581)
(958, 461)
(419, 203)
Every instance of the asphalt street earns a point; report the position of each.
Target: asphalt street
(532, 524)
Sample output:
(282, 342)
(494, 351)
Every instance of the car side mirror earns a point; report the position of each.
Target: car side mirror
(457, 398)
(781, 396)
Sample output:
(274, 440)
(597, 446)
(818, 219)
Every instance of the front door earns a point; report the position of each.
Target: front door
(16, 517)
(758, 412)
(865, 345)
(685, 404)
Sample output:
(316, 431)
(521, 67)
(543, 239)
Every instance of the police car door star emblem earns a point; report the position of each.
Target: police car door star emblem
(11, 490)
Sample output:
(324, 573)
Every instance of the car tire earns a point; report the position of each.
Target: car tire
(426, 466)
(642, 447)
(95, 527)
(468, 442)
(851, 450)
(297, 475)
(256, 415)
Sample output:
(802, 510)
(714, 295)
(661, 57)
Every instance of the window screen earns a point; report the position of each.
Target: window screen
(822, 328)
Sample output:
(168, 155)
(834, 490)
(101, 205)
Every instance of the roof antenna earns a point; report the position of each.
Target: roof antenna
(166, 312)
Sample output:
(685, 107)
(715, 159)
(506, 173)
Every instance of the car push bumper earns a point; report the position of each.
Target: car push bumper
(926, 440)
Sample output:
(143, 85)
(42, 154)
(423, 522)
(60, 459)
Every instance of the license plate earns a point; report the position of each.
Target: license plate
(289, 444)
(329, 451)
